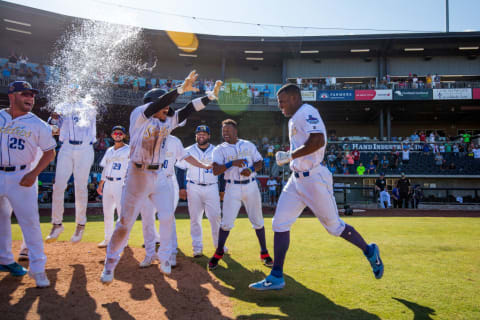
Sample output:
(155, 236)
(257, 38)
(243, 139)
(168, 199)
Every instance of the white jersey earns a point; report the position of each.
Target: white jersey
(21, 137)
(115, 162)
(148, 136)
(243, 149)
(195, 174)
(74, 128)
(305, 121)
(174, 152)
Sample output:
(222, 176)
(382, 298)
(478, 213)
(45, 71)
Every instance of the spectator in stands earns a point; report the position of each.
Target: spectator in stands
(426, 149)
(12, 60)
(405, 153)
(452, 166)
(456, 150)
(476, 152)
(436, 80)
(414, 137)
(462, 150)
(403, 185)
(395, 196)
(6, 73)
(438, 159)
(349, 159)
(384, 162)
(345, 169)
(385, 199)
(394, 156)
(356, 155)
(444, 165)
(429, 81)
(300, 82)
(272, 190)
(266, 94)
(332, 168)
(466, 137)
(372, 168)
(331, 158)
(266, 165)
(417, 196)
(375, 160)
(360, 169)
(422, 136)
(270, 150)
(448, 147)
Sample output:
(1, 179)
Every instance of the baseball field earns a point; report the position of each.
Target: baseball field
(432, 271)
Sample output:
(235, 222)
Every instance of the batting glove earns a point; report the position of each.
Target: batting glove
(283, 157)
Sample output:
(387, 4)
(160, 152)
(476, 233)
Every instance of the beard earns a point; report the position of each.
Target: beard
(203, 142)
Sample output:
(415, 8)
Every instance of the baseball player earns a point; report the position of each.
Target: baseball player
(203, 193)
(21, 134)
(239, 159)
(309, 185)
(114, 163)
(174, 152)
(76, 155)
(150, 124)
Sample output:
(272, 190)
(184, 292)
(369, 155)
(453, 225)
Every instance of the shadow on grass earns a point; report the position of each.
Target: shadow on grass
(295, 301)
(419, 312)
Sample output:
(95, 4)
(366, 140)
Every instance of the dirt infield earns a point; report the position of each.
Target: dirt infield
(190, 292)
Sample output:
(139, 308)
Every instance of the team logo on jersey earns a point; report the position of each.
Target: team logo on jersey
(312, 120)
(154, 131)
(17, 131)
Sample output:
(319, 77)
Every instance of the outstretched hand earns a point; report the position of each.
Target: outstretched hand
(213, 95)
(187, 85)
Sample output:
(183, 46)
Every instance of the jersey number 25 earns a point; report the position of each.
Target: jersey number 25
(16, 143)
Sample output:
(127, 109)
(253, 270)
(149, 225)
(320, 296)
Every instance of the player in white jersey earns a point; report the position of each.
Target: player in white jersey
(114, 163)
(21, 134)
(309, 185)
(76, 156)
(150, 124)
(202, 190)
(239, 159)
(174, 152)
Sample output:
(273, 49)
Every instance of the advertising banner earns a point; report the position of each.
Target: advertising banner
(377, 94)
(476, 93)
(412, 94)
(368, 146)
(336, 95)
(309, 95)
(452, 94)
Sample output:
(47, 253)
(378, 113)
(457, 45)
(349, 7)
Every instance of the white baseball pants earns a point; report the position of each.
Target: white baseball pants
(111, 200)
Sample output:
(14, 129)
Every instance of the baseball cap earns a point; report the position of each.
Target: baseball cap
(18, 86)
(119, 128)
(203, 128)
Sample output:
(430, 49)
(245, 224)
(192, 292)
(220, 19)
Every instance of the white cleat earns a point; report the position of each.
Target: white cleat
(23, 255)
(103, 244)
(166, 268)
(173, 260)
(57, 229)
(40, 279)
(147, 262)
(197, 253)
(77, 236)
(107, 276)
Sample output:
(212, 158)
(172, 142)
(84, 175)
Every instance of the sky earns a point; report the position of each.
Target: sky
(275, 17)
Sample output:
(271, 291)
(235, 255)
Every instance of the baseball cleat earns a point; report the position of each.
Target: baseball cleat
(266, 259)
(23, 255)
(40, 279)
(107, 276)
(103, 244)
(269, 283)
(213, 263)
(166, 267)
(57, 229)
(173, 260)
(14, 268)
(77, 236)
(147, 262)
(375, 261)
(197, 253)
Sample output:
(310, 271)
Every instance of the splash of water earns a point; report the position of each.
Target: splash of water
(87, 58)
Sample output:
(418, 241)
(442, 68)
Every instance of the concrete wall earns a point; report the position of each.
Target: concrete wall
(402, 66)
(331, 67)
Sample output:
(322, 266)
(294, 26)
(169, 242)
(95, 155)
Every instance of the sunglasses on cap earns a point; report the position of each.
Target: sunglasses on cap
(118, 133)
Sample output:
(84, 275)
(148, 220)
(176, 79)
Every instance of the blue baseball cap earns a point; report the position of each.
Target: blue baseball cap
(119, 128)
(202, 128)
(19, 86)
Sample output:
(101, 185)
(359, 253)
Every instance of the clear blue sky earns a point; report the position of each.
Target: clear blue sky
(275, 17)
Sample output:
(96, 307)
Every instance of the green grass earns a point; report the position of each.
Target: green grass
(432, 269)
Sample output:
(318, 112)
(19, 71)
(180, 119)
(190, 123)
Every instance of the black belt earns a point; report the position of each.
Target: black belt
(201, 184)
(76, 142)
(113, 179)
(13, 168)
(303, 174)
(239, 182)
(148, 167)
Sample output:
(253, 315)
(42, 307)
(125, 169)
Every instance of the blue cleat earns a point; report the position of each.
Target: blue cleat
(375, 261)
(15, 269)
(269, 283)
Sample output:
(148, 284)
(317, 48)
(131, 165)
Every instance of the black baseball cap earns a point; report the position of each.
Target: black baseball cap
(19, 86)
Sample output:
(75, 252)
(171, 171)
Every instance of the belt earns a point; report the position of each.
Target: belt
(148, 167)
(302, 174)
(113, 179)
(201, 184)
(13, 168)
(75, 142)
(239, 182)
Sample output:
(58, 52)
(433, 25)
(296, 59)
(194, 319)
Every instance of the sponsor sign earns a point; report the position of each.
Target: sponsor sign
(452, 94)
(412, 94)
(309, 95)
(368, 146)
(476, 93)
(335, 95)
(377, 94)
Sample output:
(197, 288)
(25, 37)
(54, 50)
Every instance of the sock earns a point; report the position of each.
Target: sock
(222, 238)
(261, 239)
(352, 236)
(281, 241)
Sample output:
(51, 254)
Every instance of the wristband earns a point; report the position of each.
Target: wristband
(198, 104)
(252, 168)
(228, 164)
